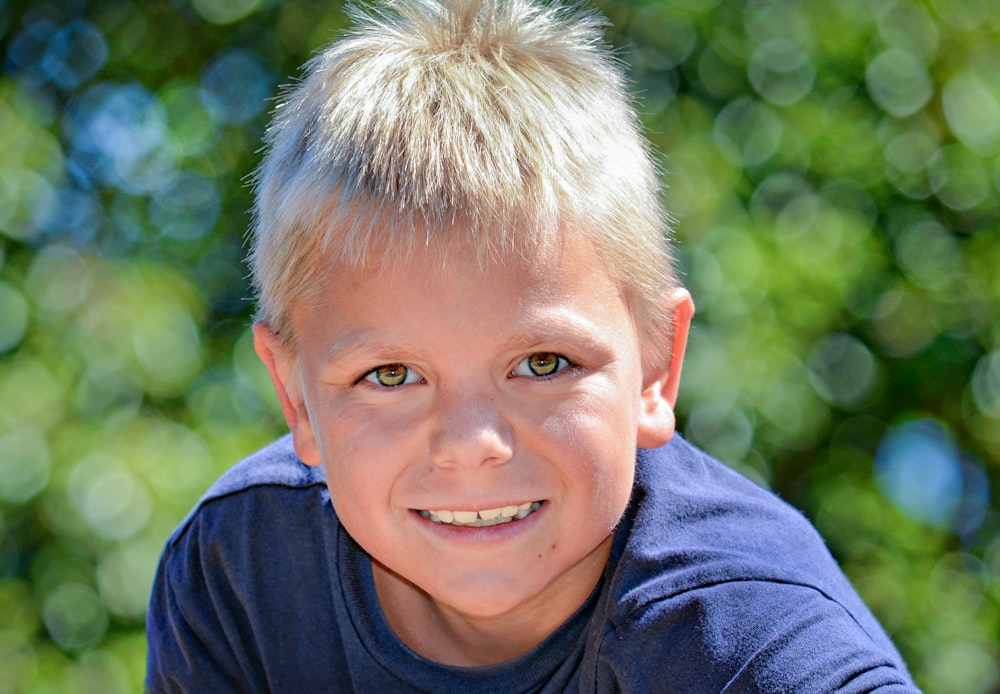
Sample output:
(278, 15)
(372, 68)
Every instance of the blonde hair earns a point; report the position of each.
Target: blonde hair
(507, 121)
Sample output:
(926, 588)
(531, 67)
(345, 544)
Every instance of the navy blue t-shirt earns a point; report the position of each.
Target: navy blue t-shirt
(713, 585)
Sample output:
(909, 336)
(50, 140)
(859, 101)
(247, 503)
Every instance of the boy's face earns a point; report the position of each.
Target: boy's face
(433, 395)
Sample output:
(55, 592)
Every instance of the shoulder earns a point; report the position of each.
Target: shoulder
(274, 465)
(737, 585)
(254, 556)
(703, 523)
(267, 514)
(274, 470)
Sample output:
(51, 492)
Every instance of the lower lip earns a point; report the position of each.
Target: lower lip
(487, 534)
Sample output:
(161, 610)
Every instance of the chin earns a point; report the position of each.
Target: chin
(485, 602)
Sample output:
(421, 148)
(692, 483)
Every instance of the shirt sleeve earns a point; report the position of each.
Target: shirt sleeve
(752, 636)
(193, 633)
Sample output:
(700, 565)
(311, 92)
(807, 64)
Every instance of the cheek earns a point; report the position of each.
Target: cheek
(366, 454)
(358, 460)
(350, 432)
(596, 444)
(601, 418)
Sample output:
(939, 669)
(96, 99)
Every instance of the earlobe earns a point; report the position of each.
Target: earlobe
(281, 366)
(662, 382)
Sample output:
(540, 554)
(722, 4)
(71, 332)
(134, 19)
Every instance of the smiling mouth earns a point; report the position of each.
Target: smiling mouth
(484, 518)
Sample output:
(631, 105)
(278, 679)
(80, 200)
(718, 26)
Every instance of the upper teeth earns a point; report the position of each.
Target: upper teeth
(483, 517)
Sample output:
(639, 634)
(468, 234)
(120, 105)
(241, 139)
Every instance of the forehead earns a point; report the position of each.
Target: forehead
(452, 278)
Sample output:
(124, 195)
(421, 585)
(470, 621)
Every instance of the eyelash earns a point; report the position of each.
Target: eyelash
(372, 376)
(562, 364)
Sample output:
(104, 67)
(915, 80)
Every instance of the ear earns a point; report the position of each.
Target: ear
(661, 381)
(282, 365)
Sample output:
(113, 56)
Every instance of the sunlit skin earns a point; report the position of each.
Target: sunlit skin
(420, 389)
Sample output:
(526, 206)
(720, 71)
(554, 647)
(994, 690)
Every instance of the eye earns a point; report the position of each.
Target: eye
(392, 376)
(541, 364)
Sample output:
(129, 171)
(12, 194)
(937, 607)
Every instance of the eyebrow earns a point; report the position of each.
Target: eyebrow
(362, 340)
(554, 326)
(557, 324)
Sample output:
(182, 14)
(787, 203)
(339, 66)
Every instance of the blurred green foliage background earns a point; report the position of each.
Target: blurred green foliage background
(834, 169)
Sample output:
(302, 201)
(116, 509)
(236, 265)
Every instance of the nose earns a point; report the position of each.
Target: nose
(470, 430)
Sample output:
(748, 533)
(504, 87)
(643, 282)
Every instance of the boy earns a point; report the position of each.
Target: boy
(469, 313)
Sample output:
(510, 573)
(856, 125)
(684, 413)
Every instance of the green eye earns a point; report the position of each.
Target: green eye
(541, 364)
(391, 375)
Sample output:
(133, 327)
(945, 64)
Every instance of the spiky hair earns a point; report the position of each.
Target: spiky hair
(506, 121)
